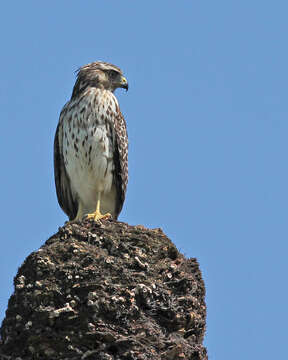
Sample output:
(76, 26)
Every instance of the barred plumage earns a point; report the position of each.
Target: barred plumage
(91, 145)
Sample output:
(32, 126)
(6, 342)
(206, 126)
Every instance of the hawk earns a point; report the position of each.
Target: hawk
(91, 146)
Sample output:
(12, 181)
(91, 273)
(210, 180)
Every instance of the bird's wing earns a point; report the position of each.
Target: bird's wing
(63, 188)
(120, 158)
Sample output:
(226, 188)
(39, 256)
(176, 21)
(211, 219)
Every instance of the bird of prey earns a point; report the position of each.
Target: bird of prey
(91, 146)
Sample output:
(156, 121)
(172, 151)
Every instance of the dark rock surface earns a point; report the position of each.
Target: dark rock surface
(106, 291)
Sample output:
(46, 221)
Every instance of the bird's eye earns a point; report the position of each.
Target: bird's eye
(112, 74)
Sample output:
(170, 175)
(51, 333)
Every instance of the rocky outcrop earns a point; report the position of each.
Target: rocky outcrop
(106, 291)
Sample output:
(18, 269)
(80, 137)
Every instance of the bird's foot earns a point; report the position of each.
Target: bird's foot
(98, 216)
(77, 218)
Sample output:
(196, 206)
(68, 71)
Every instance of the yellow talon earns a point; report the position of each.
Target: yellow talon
(98, 216)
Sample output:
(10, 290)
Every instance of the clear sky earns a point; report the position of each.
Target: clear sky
(207, 124)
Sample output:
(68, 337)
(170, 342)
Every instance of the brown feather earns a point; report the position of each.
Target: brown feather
(63, 189)
(121, 162)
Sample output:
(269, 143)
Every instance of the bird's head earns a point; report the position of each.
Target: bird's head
(100, 75)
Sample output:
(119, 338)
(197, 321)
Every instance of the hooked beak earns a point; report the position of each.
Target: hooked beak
(124, 83)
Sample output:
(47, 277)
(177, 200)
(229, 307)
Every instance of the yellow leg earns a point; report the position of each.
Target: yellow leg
(97, 214)
(79, 215)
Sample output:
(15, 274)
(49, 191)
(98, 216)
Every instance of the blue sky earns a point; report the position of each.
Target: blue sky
(207, 124)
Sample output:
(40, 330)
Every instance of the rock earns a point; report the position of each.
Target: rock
(106, 291)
